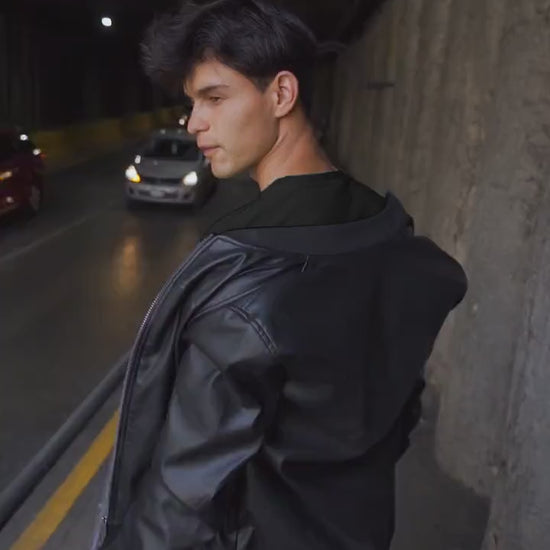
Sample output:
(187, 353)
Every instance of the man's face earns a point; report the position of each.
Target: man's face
(232, 119)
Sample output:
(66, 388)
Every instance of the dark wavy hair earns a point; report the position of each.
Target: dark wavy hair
(254, 37)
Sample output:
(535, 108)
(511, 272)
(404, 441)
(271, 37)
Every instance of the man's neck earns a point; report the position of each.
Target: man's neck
(296, 152)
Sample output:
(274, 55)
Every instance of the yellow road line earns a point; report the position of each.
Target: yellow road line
(56, 509)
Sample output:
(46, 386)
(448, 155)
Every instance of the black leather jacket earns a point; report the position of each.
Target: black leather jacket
(265, 397)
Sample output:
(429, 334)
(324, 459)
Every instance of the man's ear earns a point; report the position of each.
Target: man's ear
(284, 91)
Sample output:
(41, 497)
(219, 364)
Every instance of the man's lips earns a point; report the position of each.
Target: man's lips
(208, 149)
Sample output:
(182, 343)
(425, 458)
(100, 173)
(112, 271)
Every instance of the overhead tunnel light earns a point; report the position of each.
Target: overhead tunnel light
(107, 22)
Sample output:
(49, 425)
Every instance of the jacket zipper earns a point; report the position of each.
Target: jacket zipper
(131, 373)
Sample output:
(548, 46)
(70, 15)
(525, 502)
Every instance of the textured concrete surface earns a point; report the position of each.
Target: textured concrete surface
(463, 139)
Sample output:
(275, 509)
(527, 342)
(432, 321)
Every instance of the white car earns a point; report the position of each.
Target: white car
(169, 169)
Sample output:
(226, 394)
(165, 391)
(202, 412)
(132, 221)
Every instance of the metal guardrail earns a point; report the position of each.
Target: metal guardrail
(15, 494)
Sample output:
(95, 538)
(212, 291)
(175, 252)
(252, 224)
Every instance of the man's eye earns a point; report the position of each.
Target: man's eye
(215, 99)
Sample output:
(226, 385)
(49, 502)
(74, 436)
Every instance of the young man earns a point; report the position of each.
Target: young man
(275, 380)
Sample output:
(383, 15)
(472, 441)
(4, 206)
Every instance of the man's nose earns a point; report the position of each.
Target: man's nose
(196, 123)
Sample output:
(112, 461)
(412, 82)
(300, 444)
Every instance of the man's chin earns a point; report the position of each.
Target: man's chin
(225, 172)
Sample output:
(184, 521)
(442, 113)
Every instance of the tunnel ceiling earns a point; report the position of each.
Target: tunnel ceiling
(332, 20)
(339, 20)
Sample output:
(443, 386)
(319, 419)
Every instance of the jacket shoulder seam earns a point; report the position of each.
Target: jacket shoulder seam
(216, 306)
(258, 328)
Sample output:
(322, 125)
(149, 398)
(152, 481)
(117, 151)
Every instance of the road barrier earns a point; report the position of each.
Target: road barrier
(15, 494)
(70, 145)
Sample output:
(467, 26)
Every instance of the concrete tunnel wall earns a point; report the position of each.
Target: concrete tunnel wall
(463, 139)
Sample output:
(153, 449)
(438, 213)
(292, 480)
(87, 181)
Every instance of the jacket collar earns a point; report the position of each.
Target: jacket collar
(393, 221)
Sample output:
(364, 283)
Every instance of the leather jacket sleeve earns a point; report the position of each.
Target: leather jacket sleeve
(224, 398)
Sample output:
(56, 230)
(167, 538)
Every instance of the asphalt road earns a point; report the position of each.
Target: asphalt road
(75, 283)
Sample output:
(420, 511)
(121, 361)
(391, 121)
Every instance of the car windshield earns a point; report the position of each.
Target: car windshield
(173, 149)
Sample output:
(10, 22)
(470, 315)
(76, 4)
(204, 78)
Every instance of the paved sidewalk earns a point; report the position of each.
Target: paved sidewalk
(433, 511)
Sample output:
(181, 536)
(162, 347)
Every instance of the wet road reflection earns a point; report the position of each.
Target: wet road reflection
(125, 268)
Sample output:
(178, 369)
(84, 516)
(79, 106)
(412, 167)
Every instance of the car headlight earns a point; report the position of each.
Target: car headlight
(191, 179)
(6, 175)
(132, 175)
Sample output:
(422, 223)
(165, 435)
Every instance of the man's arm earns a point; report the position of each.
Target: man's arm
(224, 396)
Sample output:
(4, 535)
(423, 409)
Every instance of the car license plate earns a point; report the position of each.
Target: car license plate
(157, 193)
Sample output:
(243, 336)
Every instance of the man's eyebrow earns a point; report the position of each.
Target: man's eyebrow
(208, 89)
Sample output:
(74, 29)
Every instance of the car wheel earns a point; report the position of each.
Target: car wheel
(34, 200)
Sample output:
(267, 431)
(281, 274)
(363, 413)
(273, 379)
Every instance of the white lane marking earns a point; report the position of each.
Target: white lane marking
(27, 248)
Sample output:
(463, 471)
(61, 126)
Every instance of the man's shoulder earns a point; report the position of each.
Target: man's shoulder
(229, 331)
(231, 274)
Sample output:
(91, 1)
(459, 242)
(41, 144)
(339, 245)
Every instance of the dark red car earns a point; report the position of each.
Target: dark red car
(21, 173)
